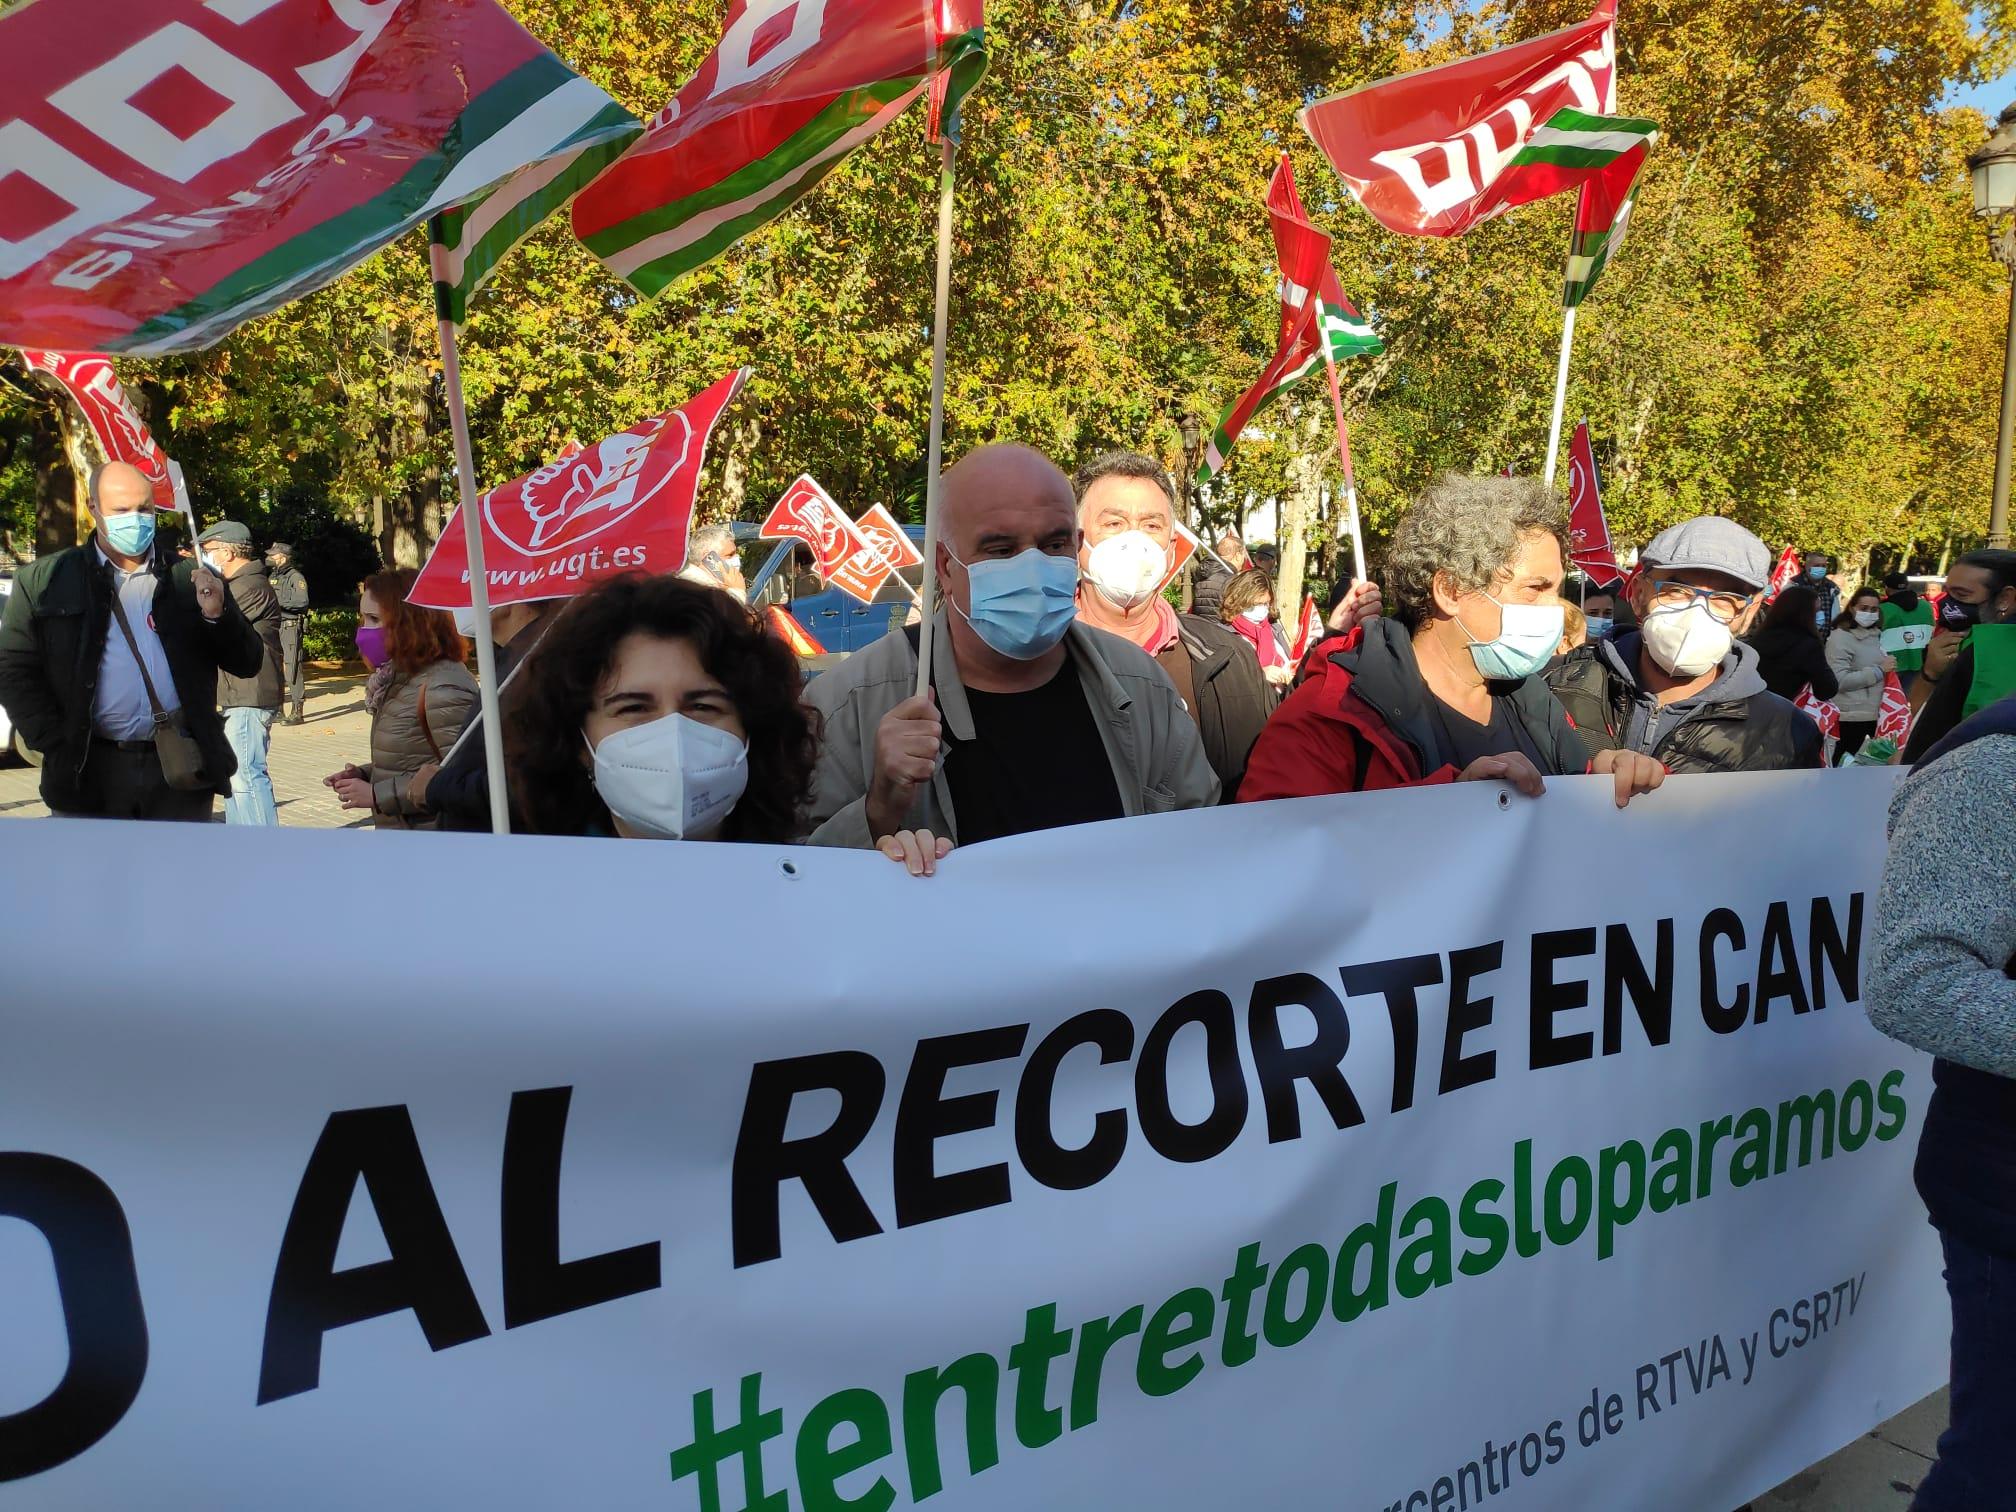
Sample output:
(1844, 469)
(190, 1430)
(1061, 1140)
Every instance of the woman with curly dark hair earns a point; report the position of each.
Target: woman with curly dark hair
(659, 709)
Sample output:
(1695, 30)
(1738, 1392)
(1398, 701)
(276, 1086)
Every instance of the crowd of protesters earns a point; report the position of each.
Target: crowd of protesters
(1066, 687)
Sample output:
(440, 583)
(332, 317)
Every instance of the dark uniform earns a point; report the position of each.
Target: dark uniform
(291, 589)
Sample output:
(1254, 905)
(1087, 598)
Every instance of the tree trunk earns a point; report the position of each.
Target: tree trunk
(1298, 508)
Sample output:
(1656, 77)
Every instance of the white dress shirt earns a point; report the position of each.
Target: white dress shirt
(119, 710)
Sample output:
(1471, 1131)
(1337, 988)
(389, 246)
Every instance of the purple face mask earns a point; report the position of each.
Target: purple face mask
(371, 644)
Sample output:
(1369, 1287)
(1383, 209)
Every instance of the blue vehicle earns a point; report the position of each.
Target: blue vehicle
(834, 619)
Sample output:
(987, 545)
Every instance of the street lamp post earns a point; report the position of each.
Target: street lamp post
(1993, 169)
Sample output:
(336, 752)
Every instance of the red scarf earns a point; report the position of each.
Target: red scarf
(1265, 646)
(1155, 634)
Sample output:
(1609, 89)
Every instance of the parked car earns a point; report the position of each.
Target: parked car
(11, 742)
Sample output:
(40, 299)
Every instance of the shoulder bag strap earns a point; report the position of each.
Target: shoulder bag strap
(119, 613)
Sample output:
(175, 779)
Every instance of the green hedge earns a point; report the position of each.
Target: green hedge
(331, 635)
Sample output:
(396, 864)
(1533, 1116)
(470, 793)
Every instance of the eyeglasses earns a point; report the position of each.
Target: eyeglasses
(1722, 604)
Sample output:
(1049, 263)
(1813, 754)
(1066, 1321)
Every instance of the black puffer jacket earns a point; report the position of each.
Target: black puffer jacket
(1736, 724)
(1791, 656)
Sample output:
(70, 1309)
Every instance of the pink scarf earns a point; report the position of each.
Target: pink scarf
(1154, 634)
(1261, 635)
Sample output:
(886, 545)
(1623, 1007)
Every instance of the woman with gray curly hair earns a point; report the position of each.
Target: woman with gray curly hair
(1447, 689)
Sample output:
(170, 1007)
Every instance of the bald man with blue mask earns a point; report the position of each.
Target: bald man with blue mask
(1034, 719)
(104, 644)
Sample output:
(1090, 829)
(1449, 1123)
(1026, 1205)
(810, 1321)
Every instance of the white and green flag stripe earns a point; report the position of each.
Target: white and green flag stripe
(1575, 139)
(470, 240)
(653, 248)
(1589, 252)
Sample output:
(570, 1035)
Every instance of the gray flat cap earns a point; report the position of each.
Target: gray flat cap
(1710, 544)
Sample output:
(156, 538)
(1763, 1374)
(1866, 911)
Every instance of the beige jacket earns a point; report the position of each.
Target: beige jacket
(1856, 655)
(1158, 760)
(401, 745)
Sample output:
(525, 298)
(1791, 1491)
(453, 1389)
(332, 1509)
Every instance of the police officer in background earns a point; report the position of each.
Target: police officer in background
(291, 589)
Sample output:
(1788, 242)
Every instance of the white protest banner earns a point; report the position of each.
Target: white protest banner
(588, 1175)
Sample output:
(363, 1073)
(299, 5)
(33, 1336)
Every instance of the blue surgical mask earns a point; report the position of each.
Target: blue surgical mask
(1600, 626)
(1023, 604)
(130, 534)
(1526, 641)
(1817, 571)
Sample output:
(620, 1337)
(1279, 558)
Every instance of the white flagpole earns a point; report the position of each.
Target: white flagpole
(479, 582)
(1560, 396)
(935, 453)
(1364, 571)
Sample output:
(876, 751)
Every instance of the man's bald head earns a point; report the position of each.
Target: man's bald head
(1006, 491)
(119, 488)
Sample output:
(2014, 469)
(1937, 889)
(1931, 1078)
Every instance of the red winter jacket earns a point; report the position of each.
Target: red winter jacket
(1360, 722)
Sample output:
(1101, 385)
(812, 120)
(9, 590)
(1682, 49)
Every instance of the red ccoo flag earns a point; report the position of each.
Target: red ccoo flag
(122, 435)
(1784, 575)
(1437, 151)
(1588, 531)
(623, 505)
(885, 550)
(806, 512)
(1893, 717)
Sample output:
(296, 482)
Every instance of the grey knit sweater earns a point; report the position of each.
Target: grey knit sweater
(1945, 927)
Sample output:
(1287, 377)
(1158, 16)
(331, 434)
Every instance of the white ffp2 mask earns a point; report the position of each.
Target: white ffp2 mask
(1128, 568)
(672, 779)
(1686, 642)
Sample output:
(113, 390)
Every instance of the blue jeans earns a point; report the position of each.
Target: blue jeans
(251, 800)
(1976, 1470)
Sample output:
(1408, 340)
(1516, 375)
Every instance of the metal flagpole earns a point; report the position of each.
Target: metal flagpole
(479, 581)
(936, 451)
(1560, 396)
(1350, 478)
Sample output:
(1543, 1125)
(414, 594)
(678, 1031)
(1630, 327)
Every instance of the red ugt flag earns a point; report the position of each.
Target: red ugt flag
(1588, 531)
(1893, 716)
(1431, 153)
(121, 433)
(623, 505)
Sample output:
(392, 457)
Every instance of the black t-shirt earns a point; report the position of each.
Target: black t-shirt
(1464, 740)
(1035, 762)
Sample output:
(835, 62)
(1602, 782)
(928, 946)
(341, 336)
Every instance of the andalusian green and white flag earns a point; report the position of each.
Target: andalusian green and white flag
(470, 240)
(1317, 320)
(750, 132)
(1607, 152)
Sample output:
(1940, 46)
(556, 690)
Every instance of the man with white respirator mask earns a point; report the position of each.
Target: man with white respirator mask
(1683, 688)
(1127, 511)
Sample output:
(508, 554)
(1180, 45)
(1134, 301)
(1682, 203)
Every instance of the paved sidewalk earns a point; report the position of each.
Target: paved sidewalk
(1876, 1473)
(336, 730)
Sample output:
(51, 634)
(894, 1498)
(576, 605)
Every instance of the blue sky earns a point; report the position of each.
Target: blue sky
(1986, 98)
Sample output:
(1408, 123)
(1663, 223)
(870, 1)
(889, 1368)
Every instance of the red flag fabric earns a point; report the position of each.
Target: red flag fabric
(885, 547)
(1430, 153)
(801, 641)
(172, 169)
(1893, 716)
(1588, 531)
(1825, 715)
(622, 505)
(122, 435)
(806, 512)
(1307, 628)
(1785, 574)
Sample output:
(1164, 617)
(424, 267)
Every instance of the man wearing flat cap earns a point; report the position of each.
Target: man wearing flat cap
(249, 704)
(1682, 688)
